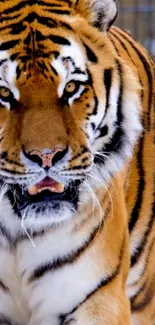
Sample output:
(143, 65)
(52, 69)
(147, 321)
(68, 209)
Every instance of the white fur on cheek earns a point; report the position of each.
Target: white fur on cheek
(4, 55)
(8, 77)
(11, 76)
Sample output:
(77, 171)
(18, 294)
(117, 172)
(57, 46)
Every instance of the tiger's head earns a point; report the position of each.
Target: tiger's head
(69, 107)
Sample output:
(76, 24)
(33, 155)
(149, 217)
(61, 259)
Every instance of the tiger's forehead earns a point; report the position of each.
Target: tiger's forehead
(36, 33)
(61, 67)
(61, 60)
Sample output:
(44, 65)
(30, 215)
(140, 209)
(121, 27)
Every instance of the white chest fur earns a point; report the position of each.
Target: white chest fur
(68, 273)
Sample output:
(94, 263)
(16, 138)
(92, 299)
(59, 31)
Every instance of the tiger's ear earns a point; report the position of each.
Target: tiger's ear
(99, 13)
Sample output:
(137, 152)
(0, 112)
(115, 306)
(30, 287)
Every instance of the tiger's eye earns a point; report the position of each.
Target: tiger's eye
(5, 92)
(70, 87)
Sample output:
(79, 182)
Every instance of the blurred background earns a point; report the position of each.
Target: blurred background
(138, 17)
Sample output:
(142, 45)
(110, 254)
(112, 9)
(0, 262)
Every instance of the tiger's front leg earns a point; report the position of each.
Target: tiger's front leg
(110, 308)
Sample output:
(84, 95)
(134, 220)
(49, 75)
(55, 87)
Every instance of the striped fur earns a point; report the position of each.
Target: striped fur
(84, 256)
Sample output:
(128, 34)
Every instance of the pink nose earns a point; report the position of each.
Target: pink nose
(46, 159)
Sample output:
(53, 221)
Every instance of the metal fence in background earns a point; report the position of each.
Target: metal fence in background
(138, 17)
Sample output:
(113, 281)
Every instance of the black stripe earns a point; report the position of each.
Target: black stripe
(27, 41)
(1, 62)
(59, 12)
(141, 186)
(54, 71)
(107, 82)
(46, 21)
(114, 45)
(93, 125)
(148, 72)
(3, 287)
(59, 40)
(43, 66)
(115, 143)
(151, 244)
(116, 36)
(65, 25)
(143, 243)
(141, 289)
(147, 260)
(95, 110)
(46, 4)
(76, 167)
(4, 320)
(55, 53)
(3, 155)
(148, 295)
(66, 260)
(5, 19)
(78, 71)
(117, 140)
(13, 172)
(83, 151)
(8, 45)
(24, 58)
(90, 54)
(20, 5)
(11, 26)
(13, 162)
(102, 283)
(38, 36)
(14, 56)
(90, 83)
(103, 132)
(17, 29)
(69, 2)
(53, 5)
(18, 72)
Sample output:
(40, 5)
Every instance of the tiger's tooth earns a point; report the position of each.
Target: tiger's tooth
(60, 187)
(32, 190)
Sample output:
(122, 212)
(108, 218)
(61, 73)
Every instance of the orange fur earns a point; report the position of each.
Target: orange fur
(40, 121)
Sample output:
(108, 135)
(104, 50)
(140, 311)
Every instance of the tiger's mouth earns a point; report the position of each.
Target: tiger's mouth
(48, 193)
(47, 184)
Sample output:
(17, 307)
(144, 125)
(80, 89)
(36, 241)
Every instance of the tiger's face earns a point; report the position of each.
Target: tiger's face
(63, 122)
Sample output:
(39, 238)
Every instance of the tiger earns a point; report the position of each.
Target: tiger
(77, 167)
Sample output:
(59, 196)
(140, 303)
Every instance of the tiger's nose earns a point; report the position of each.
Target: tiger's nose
(46, 158)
